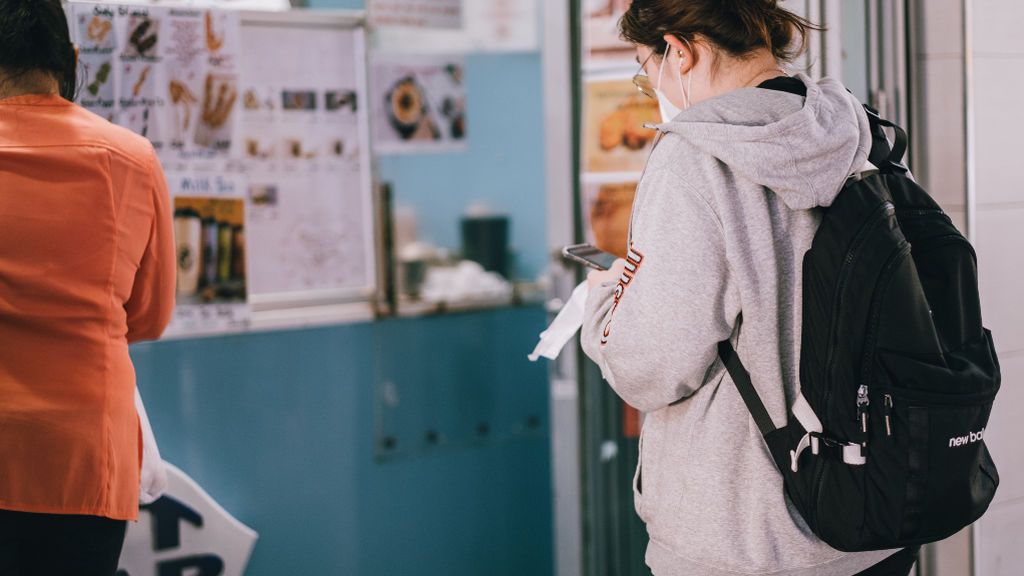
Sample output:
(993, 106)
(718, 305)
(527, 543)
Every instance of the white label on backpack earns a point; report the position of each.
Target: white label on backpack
(971, 438)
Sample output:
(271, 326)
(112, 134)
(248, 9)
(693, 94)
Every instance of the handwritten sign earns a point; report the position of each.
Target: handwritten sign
(186, 533)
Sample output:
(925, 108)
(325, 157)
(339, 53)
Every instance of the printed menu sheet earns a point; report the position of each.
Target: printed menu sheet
(263, 133)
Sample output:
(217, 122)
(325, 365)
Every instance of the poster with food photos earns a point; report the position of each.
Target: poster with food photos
(262, 125)
(419, 104)
(607, 208)
(169, 74)
(615, 133)
(603, 46)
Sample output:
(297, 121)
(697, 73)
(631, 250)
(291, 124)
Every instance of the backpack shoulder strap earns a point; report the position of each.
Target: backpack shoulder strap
(888, 159)
(741, 378)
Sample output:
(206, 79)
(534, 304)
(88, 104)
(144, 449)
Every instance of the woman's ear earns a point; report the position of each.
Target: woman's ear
(683, 49)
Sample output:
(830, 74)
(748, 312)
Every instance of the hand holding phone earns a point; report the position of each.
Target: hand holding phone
(589, 256)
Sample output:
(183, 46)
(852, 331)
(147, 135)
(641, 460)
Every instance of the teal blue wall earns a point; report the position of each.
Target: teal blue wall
(286, 429)
(280, 428)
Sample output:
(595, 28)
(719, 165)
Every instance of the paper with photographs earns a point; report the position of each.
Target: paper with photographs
(304, 145)
(603, 45)
(614, 136)
(419, 104)
(168, 74)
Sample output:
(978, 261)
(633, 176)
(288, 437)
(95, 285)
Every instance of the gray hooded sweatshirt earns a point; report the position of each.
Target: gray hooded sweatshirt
(722, 218)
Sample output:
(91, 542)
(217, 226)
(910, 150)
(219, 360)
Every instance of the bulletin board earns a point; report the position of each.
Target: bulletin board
(261, 123)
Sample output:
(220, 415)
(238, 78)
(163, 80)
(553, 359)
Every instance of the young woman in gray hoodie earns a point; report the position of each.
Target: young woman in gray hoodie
(728, 205)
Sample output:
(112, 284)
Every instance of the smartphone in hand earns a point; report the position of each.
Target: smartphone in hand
(589, 256)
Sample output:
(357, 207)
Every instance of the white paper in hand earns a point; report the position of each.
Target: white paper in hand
(564, 327)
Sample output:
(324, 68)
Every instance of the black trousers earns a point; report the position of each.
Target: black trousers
(52, 544)
(899, 564)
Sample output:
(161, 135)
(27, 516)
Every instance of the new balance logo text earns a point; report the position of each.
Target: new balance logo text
(971, 438)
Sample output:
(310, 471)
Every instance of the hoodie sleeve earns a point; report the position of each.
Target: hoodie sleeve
(655, 332)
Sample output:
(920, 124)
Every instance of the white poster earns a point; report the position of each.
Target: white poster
(186, 532)
(305, 150)
(417, 13)
(488, 26)
(419, 104)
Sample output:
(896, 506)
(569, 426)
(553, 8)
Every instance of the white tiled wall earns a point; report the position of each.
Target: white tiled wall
(942, 109)
(999, 118)
(1000, 540)
(1003, 434)
(999, 241)
(998, 52)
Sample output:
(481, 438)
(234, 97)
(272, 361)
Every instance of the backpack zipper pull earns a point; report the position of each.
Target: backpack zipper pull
(862, 408)
(888, 415)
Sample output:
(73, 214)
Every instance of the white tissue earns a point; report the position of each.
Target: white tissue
(564, 327)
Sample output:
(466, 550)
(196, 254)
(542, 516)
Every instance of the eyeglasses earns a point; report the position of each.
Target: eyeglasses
(643, 82)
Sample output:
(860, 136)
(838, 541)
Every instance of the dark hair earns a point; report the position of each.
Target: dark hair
(34, 37)
(738, 27)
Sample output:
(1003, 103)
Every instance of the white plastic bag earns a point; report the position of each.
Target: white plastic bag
(153, 480)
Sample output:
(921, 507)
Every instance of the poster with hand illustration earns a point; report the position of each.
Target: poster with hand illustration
(419, 104)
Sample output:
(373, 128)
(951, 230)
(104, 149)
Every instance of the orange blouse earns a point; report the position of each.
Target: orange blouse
(87, 265)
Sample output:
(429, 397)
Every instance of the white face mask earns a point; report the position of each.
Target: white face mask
(669, 110)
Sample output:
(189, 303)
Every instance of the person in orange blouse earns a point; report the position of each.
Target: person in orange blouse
(87, 266)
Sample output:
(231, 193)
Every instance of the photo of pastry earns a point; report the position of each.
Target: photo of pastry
(214, 39)
(220, 94)
(140, 82)
(143, 34)
(99, 84)
(615, 139)
(298, 100)
(607, 210)
(96, 27)
(297, 149)
(336, 100)
(183, 103)
(263, 195)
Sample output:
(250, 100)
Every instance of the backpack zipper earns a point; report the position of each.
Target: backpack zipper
(887, 409)
(844, 274)
(863, 401)
(919, 212)
(872, 333)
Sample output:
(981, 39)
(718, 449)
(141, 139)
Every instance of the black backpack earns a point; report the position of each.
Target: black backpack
(884, 448)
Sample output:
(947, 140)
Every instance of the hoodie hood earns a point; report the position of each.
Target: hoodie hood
(802, 151)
